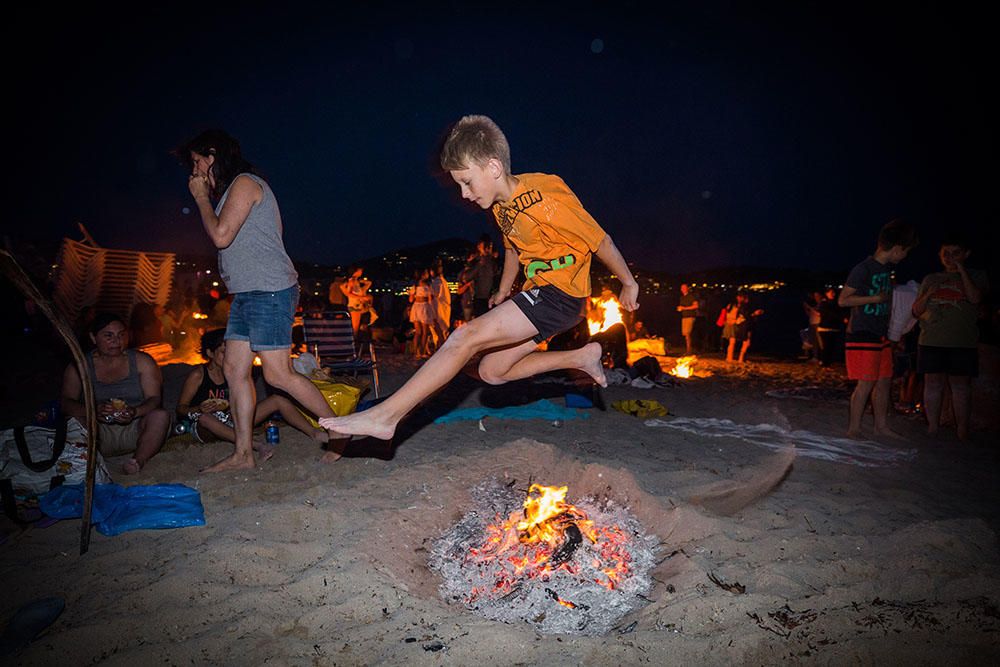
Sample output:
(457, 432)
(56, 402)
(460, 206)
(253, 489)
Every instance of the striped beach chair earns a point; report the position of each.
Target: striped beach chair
(330, 337)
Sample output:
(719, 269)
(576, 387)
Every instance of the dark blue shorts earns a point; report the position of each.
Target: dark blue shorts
(264, 319)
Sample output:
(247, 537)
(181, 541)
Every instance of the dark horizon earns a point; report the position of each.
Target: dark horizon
(698, 136)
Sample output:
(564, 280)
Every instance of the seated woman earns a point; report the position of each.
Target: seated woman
(127, 388)
(205, 400)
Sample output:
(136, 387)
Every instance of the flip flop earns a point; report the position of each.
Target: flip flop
(28, 622)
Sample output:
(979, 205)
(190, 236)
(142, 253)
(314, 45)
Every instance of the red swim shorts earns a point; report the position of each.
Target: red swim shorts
(869, 360)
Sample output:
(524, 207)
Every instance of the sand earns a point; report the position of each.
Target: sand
(302, 563)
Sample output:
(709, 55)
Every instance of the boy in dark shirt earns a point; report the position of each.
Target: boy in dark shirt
(868, 351)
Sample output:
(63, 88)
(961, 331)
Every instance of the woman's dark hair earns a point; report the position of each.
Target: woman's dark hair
(102, 320)
(229, 161)
(211, 340)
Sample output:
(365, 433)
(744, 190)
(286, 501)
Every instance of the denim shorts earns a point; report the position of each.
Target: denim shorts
(264, 319)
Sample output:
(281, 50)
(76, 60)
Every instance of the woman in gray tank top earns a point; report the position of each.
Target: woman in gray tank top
(127, 388)
(245, 225)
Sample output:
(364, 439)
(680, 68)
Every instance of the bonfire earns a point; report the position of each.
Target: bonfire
(561, 567)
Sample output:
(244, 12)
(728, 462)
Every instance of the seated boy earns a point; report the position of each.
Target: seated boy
(552, 237)
(204, 400)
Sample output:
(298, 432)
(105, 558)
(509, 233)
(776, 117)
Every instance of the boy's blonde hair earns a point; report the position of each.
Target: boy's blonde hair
(474, 139)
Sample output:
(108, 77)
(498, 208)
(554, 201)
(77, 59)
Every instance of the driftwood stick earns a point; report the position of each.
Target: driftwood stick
(16, 275)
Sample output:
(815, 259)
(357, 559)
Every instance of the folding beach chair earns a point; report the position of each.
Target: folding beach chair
(330, 337)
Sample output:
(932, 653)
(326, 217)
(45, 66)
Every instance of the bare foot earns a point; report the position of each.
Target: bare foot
(131, 467)
(332, 450)
(233, 462)
(855, 435)
(322, 436)
(591, 363)
(329, 456)
(367, 423)
(932, 431)
(265, 451)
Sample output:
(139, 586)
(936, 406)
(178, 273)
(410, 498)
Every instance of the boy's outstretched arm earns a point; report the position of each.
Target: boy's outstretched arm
(608, 253)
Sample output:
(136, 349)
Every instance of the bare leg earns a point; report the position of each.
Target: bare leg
(859, 399)
(504, 325)
(731, 349)
(278, 372)
(522, 361)
(933, 392)
(291, 415)
(242, 397)
(881, 399)
(211, 425)
(152, 434)
(743, 350)
(961, 401)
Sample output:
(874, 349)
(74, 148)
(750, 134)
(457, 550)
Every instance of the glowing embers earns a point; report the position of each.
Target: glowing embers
(561, 567)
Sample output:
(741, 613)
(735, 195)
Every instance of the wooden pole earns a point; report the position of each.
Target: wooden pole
(23, 282)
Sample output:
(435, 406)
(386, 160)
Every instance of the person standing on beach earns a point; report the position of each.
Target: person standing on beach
(868, 350)
(552, 237)
(245, 225)
(688, 308)
(947, 349)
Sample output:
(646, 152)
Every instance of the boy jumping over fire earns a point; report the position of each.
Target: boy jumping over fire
(552, 237)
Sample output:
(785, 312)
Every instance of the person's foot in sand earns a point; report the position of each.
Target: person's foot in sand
(236, 461)
(333, 446)
(264, 451)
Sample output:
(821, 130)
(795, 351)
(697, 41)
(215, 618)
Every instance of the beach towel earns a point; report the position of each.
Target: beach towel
(812, 393)
(541, 409)
(863, 453)
(118, 509)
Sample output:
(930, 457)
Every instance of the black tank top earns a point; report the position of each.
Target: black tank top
(209, 389)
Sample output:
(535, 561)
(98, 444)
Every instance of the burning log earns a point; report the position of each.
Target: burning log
(573, 539)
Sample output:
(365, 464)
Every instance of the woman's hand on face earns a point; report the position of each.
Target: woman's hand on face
(198, 185)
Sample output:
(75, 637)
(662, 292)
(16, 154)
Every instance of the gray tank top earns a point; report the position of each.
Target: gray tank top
(256, 259)
(128, 389)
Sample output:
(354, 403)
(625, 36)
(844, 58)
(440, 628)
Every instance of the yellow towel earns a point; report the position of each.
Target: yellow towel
(342, 398)
(641, 408)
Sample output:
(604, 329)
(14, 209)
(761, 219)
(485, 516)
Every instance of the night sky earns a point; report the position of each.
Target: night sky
(699, 135)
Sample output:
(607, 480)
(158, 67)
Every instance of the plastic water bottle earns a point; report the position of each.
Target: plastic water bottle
(271, 434)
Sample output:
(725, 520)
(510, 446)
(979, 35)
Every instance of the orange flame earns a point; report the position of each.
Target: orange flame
(684, 367)
(611, 314)
(526, 541)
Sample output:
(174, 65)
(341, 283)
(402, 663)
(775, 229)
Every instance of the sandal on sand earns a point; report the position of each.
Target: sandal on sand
(131, 467)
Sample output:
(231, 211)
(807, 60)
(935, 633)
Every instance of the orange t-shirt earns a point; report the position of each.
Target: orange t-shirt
(553, 234)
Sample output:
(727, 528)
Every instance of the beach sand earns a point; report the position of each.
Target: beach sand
(302, 563)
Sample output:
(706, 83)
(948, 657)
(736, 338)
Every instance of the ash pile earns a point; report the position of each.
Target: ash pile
(527, 555)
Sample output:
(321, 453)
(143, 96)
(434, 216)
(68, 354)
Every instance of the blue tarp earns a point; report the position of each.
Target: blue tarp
(120, 508)
(542, 409)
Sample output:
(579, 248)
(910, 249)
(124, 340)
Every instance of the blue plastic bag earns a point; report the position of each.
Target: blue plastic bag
(118, 508)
